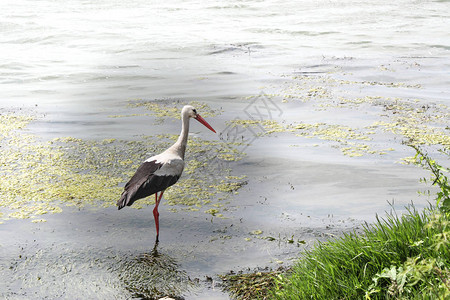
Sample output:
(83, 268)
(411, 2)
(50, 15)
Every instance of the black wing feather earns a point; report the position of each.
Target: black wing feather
(145, 183)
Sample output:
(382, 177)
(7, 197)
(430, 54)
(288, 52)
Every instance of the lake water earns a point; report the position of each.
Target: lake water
(74, 64)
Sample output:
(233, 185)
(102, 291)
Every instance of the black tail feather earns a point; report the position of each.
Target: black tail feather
(123, 201)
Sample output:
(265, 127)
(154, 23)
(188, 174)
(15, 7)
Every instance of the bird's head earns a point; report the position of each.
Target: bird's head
(191, 112)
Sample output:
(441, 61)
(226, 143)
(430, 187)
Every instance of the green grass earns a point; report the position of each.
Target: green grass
(398, 257)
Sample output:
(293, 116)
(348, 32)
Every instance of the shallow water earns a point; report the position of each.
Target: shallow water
(76, 64)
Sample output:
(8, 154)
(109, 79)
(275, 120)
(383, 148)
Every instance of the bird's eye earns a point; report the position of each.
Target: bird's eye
(195, 111)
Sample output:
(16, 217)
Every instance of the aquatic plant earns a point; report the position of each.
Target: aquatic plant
(167, 108)
(438, 178)
(349, 140)
(248, 286)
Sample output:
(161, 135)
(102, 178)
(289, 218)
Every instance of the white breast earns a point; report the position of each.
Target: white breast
(172, 165)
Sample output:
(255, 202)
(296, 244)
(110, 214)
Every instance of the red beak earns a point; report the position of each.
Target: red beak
(201, 120)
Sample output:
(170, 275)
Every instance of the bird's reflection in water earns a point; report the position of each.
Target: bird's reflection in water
(154, 275)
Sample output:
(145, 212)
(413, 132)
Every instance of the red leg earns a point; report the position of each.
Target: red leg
(156, 213)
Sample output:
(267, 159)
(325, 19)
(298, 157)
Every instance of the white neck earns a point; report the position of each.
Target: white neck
(180, 145)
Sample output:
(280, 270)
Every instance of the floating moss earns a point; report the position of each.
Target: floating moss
(11, 122)
(212, 211)
(343, 135)
(415, 121)
(256, 232)
(38, 220)
(415, 132)
(171, 109)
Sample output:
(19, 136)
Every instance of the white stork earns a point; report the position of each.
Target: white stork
(159, 172)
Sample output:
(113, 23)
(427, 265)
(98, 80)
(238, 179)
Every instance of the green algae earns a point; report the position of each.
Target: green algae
(415, 122)
(12, 122)
(307, 88)
(338, 133)
(167, 109)
(415, 132)
(41, 177)
(344, 136)
(323, 89)
(212, 211)
(256, 232)
(378, 83)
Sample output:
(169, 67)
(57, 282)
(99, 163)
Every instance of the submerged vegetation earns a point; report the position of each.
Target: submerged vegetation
(167, 109)
(256, 285)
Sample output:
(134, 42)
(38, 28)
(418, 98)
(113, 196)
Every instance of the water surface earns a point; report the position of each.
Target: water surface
(75, 64)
